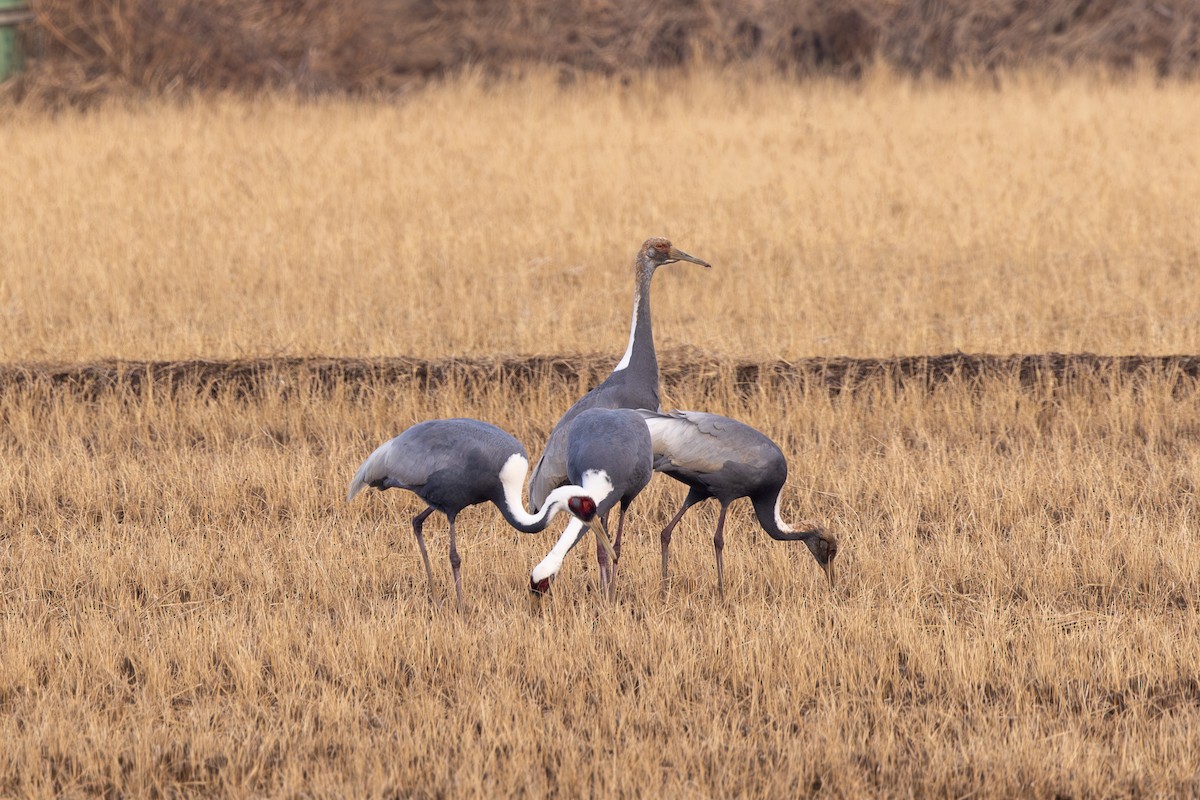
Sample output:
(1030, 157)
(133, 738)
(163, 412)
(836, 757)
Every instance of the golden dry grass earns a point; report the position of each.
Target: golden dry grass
(191, 606)
(188, 606)
(842, 220)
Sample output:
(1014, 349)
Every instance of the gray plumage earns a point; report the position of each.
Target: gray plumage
(610, 456)
(616, 441)
(721, 458)
(448, 463)
(632, 384)
(452, 464)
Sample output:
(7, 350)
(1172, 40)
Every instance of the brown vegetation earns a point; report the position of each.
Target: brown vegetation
(690, 370)
(190, 606)
(868, 221)
(82, 50)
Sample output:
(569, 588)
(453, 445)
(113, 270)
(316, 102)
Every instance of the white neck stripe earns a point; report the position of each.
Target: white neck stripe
(783, 526)
(624, 362)
(512, 478)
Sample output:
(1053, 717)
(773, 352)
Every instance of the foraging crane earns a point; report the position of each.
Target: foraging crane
(452, 464)
(633, 382)
(610, 455)
(725, 459)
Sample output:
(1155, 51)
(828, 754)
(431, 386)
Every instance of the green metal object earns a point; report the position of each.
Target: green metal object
(12, 14)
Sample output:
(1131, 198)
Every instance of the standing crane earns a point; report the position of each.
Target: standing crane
(632, 384)
(725, 459)
(452, 464)
(610, 455)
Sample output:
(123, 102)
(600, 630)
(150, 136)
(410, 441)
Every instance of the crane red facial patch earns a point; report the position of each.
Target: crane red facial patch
(582, 507)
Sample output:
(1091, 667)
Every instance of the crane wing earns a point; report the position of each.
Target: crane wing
(407, 461)
(550, 472)
(690, 440)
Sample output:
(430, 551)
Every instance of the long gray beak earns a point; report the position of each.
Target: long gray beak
(679, 255)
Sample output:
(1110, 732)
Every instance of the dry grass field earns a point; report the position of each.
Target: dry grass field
(841, 220)
(189, 607)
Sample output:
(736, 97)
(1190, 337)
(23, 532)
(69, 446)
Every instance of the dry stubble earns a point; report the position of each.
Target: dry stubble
(197, 608)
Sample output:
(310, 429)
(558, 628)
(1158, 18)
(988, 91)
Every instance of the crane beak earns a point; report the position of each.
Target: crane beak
(602, 537)
(678, 255)
(828, 568)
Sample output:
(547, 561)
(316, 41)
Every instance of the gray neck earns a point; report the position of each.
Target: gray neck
(639, 356)
(767, 511)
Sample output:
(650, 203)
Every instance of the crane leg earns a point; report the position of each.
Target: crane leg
(665, 536)
(719, 548)
(602, 557)
(455, 563)
(612, 578)
(418, 523)
(620, 532)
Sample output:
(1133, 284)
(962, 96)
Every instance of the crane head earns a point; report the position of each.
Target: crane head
(824, 547)
(657, 251)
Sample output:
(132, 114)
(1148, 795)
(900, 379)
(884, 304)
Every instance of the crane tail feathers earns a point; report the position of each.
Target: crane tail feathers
(360, 480)
(540, 487)
(550, 472)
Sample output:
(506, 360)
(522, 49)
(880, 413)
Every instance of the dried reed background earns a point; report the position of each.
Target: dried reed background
(81, 52)
(189, 607)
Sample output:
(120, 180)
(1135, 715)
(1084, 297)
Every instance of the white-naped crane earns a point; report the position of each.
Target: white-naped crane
(610, 456)
(722, 458)
(455, 463)
(633, 382)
